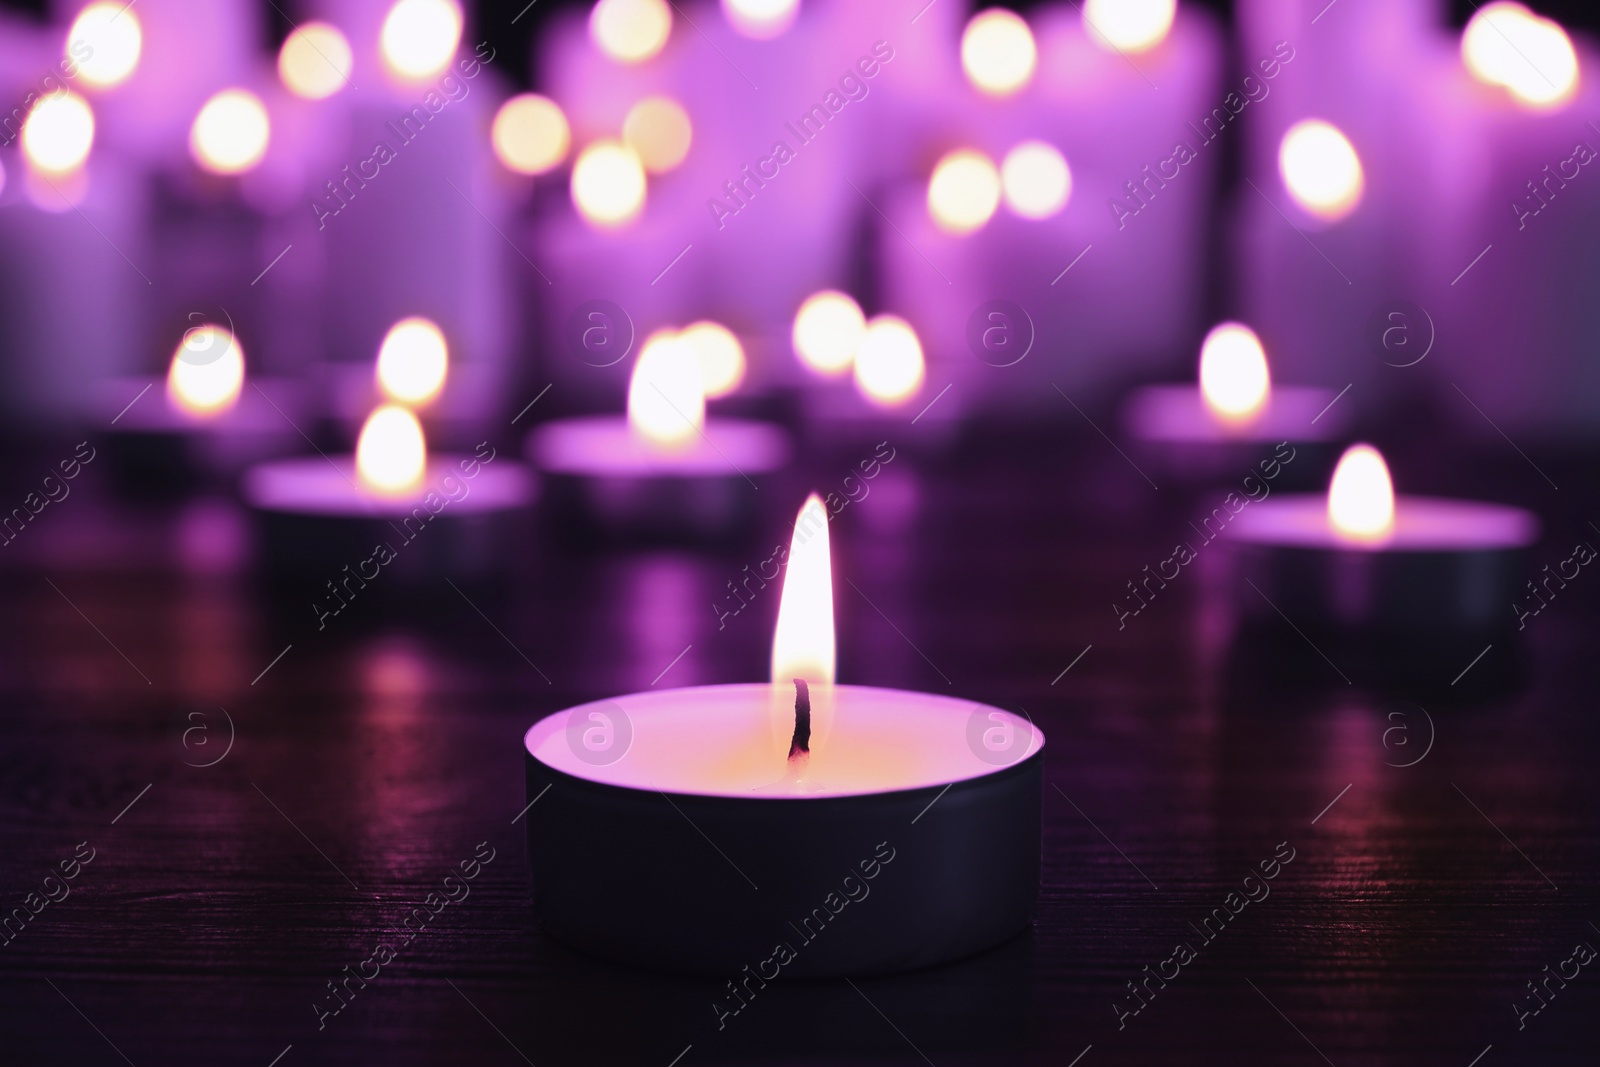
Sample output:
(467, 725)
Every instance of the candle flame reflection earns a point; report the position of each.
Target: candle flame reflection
(1234, 380)
(666, 396)
(1320, 169)
(413, 362)
(1361, 496)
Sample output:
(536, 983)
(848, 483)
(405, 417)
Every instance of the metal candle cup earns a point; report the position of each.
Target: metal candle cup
(655, 840)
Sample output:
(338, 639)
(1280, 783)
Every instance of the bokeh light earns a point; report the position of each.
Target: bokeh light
(206, 374)
(413, 361)
(530, 134)
(1506, 44)
(761, 20)
(608, 184)
(998, 52)
(963, 191)
(114, 40)
(630, 31)
(392, 453)
(1361, 496)
(58, 134)
(1128, 25)
(889, 364)
(1234, 380)
(419, 37)
(666, 395)
(230, 134)
(720, 355)
(1320, 169)
(658, 129)
(827, 331)
(315, 61)
(1035, 180)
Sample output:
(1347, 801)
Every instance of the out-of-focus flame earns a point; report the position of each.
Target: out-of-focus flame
(530, 134)
(113, 39)
(827, 331)
(719, 354)
(1035, 180)
(761, 20)
(666, 397)
(315, 61)
(963, 191)
(1320, 169)
(207, 371)
(413, 361)
(889, 363)
(391, 454)
(1506, 44)
(630, 31)
(659, 130)
(230, 134)
(1234, 380)
(608, 184)
(998, 52)
(58, 134)
(1361, 496)
(802, 645)
(419, 37)
(1128, 25)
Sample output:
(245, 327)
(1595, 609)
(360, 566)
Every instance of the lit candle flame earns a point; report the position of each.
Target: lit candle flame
(803, 643)
(207, 371)
(1320, 169)
(1233, 374)
(1506, 44)
(419, 37)
(391, 454)
(413, 361)
(1361, 496)
(666, 396)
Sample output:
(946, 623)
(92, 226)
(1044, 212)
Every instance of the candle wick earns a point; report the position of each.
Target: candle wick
(800, 746)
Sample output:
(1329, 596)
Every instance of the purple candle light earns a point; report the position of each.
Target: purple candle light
(460, 510)
(814, 793)
(1212, 427)
(665, 467)
(1361, 562)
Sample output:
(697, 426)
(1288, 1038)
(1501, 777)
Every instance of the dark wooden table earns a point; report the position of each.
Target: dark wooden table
(368, 760)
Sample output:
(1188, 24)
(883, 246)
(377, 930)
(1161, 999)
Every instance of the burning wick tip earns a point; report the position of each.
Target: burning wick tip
(800, 746)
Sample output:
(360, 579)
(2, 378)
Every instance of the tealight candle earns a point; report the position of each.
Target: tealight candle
(390, 505)
(664, 468)
(1395, 574)
(202, 421)
(1217, 426)
(742, 822)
